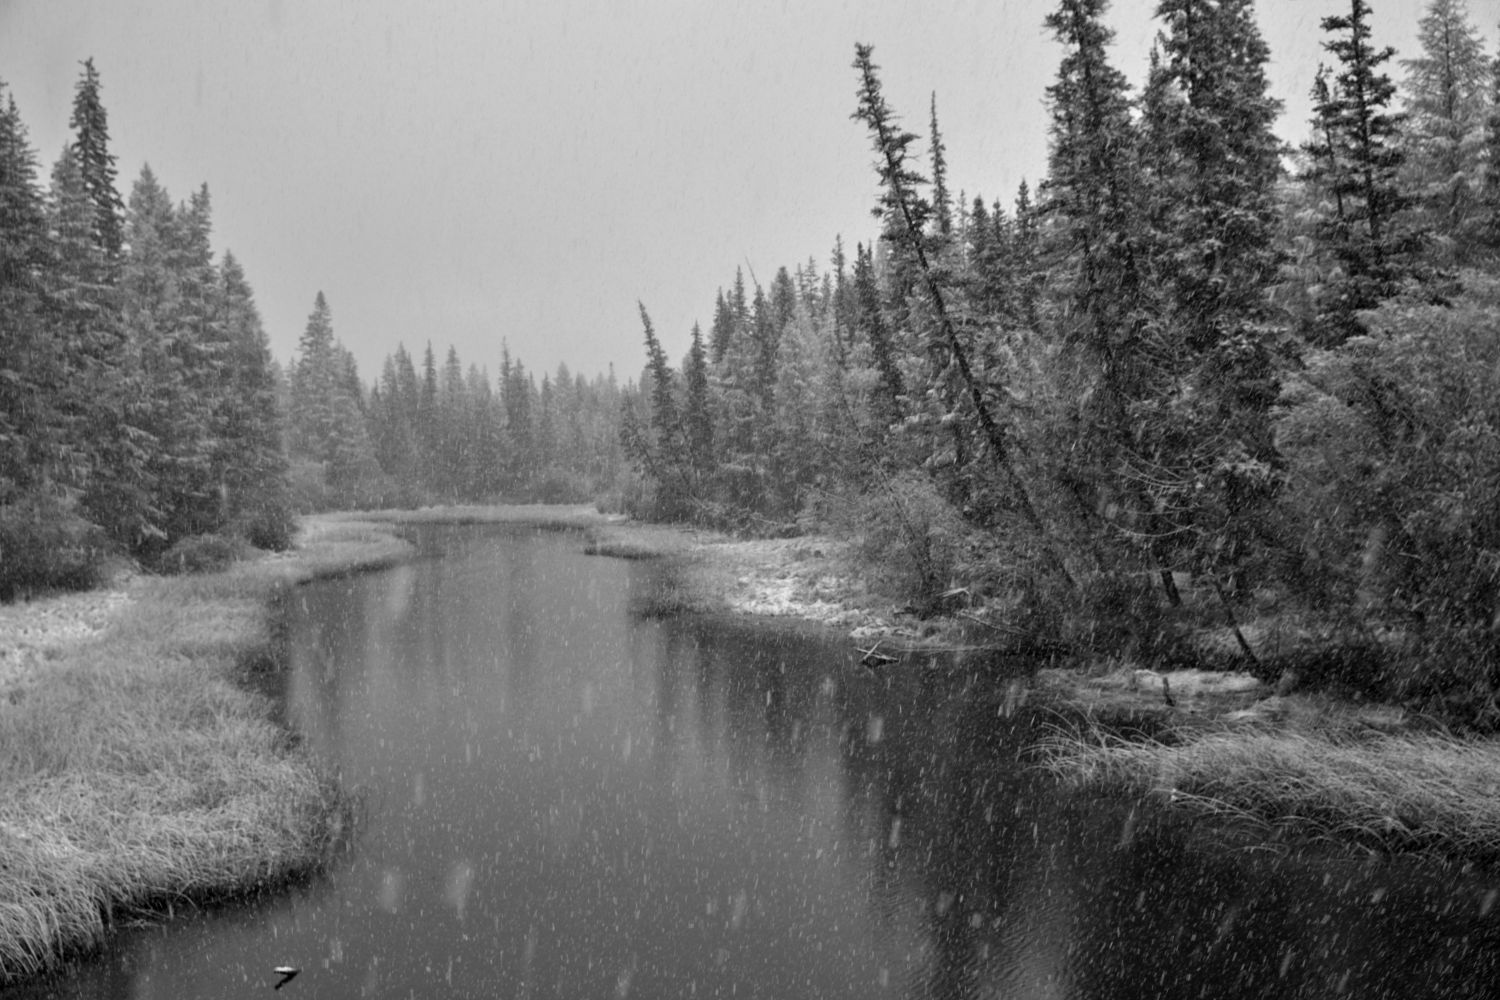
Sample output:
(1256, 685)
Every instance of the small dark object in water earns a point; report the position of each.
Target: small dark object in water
(873, 658)
(287, 974)
(1166, 694)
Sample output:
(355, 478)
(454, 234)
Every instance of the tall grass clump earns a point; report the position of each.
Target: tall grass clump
(1406, 792)
(136, 774)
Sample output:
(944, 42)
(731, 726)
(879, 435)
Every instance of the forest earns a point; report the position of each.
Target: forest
(1193, 378)
(1191, 375)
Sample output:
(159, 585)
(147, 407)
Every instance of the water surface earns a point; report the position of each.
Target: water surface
(564, 800)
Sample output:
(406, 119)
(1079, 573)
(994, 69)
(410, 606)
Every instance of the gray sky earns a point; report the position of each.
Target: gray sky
(473, 170)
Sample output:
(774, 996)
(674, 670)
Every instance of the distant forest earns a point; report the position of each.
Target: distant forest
(1189, 360)
(142, 415)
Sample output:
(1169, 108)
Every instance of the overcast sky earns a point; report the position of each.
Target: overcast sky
(467, 172)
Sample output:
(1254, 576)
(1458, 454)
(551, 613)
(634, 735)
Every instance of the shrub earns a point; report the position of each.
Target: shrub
(913, 539)
(199, 554)
(44, 544)
(1393, 449)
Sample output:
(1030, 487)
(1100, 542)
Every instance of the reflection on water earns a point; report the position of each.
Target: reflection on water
(561, 801)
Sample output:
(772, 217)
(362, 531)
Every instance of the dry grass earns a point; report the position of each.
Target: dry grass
(136, 775)
(1403, 792)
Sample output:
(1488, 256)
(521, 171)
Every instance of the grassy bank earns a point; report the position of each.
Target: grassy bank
(137, 775)
(1329, 779)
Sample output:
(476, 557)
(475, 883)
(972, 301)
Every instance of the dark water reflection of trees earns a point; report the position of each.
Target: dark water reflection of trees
(1024, 889)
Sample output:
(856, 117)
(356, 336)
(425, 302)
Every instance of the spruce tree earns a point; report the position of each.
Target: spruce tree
(697, 417)
(1026, 263)
(1357, 159)
(34, 439)
(250, 421)
(1489, 226)
(1092, 197)
(869, 320)
(1445, 102)
(942, 206)
(90, 124)
(1096, 241)
(1201, 446)
(327, 419)
(906, 214)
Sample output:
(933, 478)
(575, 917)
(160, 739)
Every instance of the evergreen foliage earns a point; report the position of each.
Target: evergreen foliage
(137, 398)
(1356, 157)
(1445, 101)
(90, 124)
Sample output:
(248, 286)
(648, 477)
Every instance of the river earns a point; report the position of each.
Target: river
(560, 798)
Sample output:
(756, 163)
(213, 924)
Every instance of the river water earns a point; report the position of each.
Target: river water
(563, 799)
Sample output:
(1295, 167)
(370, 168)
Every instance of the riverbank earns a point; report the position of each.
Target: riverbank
(1218, 743)
(138, 772)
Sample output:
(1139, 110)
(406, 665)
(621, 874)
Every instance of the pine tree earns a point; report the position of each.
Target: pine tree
(104, 374)
(34, 439)
(327, 420)
(1093, 204)
(161, 346)
(697, 418)
(722, 331)
(906, 213)
(254, 466)
(869, 320)
(1489, 228)
(668, 441)
(1227, 165)
(1357, 159)
(1445, 104)
(942, 206)
(1026, 263)
(1092, 198)
(1201, 445)
(90, 124)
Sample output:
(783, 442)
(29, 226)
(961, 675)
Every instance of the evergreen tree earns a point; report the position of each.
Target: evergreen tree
(1092, 198)
(869, 320)
(103, 371)
(1445, 103)
(250, 422)
(162, 348)
(697, 419)
(1356, 158)
(722, 330)
(1201, 449)
(328, 425)
(1093, 203)
(1026, 263)
(34, 438)
(906, 214)
(90, 124)
(1489, 228)
(942, 207)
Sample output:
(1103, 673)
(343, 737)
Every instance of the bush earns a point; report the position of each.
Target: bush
(1393, 449)
(271, 528)
(199, 554)
(45, 544)
(913, 539)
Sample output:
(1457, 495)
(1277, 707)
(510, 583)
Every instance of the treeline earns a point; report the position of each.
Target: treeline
(142, 415)
(137, 393)
(444, 433)
(1192, 357)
